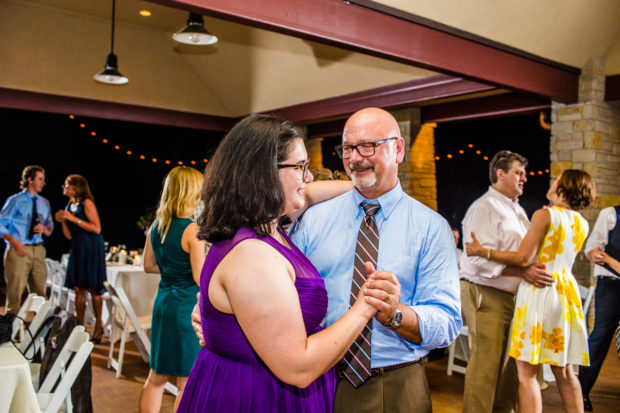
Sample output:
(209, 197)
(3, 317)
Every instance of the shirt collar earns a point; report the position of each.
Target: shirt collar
(388, 201)
(503, 198)
(26, 193)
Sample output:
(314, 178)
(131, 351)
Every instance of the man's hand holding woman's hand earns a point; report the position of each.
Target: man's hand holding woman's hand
(597, 256)
(382, 291)
(197, 321)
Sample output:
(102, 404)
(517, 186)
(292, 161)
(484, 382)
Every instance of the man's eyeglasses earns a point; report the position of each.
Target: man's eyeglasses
(365, 149)
(302, 166)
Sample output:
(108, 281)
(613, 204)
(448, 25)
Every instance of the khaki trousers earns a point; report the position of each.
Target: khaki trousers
(19, 271)
(491, 382)
(394, 391)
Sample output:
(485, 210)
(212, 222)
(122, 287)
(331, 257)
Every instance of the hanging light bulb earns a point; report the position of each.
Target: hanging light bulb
(195, 32)
(110, 74)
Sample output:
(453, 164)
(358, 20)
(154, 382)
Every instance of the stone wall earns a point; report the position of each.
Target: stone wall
(586, 135)
(421, 167)
(315, 153)
(417, 171)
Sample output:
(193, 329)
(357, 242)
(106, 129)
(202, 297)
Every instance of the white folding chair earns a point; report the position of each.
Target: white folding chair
(40, 306)
(32, 304)
(59, 294)
(459, 350)
(124, 319)
(77, 345)
(89, 312)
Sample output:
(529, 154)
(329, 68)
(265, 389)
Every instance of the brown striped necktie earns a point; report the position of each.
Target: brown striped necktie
(357, 358)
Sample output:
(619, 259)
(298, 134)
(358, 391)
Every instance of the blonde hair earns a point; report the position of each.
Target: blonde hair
(180, 195)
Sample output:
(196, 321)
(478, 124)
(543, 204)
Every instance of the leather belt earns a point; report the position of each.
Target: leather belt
(379, 371)
(38, 244)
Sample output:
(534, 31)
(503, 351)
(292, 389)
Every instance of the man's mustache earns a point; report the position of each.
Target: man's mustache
(360, 165)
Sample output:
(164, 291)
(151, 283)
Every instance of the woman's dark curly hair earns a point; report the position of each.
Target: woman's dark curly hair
(241, 182)
(576, 188)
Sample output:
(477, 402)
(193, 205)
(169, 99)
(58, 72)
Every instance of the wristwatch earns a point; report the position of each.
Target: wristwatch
(396, 320)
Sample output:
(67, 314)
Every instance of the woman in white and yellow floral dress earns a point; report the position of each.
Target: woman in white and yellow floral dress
(548, 324)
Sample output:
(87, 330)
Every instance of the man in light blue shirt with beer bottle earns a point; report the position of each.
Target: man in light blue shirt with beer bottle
(419, 307)
(25, 217)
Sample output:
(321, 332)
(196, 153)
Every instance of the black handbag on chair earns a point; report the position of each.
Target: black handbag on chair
(6, 331)
(6, 327)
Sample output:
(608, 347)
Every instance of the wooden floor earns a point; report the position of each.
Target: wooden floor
(112, 395)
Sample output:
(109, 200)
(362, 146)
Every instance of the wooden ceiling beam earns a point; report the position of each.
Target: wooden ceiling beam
(491, 106)
(353, 27)
(43, 102)
(406, 93)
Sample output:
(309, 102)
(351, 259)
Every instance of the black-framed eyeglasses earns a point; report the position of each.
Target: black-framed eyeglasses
(302, 166)
(365, 149)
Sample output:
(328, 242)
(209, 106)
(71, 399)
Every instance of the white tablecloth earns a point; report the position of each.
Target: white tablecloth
(16, 392)
(141, 287)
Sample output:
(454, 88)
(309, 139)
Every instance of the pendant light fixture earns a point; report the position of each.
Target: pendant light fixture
(195, 32)
(110, 74)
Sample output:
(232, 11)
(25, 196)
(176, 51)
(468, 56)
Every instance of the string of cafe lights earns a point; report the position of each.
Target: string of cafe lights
(141, 154)
(470, 147)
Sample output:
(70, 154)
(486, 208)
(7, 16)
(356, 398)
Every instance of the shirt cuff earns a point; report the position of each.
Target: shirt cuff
(435, 329)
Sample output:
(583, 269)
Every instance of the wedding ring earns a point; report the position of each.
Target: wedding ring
(387, 298)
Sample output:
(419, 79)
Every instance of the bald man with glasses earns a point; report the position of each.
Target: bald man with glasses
(419, 308)
(416, 288)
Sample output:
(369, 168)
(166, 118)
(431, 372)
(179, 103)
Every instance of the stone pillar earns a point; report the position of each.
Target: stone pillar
(417, 171)
(586, 135)
(421, 167)
(315, 153)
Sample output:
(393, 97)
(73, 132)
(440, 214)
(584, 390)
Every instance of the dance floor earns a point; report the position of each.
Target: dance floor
(112, 395)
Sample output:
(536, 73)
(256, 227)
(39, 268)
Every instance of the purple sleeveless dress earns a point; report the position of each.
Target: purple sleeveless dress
(228, 376)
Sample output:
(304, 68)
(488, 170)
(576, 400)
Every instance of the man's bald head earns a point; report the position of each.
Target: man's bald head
(376, 174)
(373, 119)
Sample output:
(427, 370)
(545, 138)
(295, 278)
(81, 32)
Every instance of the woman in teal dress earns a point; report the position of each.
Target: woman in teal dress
(173, 250)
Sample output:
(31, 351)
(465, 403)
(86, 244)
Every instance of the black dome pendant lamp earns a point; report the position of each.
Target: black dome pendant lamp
(110, 74)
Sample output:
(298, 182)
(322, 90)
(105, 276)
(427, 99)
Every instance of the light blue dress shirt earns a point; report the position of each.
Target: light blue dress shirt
(16, 216)
(415, 243)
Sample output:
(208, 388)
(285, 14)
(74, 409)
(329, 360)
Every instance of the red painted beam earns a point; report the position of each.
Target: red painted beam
(415, 91)
(491, 106)
(325, 129)
(42, 102)
(353, 27)
(612, 88)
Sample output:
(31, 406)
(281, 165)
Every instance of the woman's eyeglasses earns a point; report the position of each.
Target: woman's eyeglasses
(302, 166)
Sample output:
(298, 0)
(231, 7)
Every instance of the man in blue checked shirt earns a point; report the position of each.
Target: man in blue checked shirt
(419, 308)
(24, 219)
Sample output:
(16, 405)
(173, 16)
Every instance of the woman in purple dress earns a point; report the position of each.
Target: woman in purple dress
(262, 301)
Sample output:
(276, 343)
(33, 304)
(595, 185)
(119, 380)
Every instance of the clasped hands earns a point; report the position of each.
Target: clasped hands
(381, 290)
(597, 256)
(62, 215)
